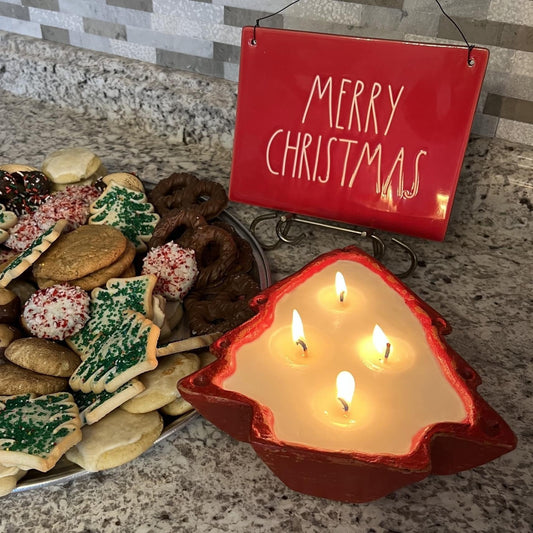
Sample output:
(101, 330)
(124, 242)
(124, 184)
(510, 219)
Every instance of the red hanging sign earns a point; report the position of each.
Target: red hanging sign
(364, 131)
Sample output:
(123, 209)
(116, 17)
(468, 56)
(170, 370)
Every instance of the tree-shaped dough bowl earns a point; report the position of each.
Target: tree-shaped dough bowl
(344, 385)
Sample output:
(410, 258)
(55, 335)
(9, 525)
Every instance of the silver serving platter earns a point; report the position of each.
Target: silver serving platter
(64, 470)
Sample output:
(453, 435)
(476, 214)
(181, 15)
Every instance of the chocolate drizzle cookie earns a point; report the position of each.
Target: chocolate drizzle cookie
(23, 191)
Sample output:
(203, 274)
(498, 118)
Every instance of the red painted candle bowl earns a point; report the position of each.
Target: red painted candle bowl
(344, 386)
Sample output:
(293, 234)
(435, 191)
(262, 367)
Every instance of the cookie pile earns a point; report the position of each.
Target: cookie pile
(95, 276)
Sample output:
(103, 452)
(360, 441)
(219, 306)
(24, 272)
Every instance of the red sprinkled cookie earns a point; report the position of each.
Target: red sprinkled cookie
(56, 312)
(175, 268)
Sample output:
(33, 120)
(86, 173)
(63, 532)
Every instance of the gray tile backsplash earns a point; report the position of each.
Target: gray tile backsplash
(203, 36)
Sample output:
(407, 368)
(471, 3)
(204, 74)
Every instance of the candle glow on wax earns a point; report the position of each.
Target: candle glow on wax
(345, 389)
(381, 342)
(340, 287)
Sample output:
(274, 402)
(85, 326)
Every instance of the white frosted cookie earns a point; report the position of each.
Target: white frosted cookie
(116, 439)
(72, 165)
(7, 220)
(161, 384)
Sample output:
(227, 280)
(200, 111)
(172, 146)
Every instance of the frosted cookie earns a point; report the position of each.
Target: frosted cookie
(175, 268)
(161, 384)
(56, 312)
(9, 476)
(124, 354)
(43, 356)
(107, 307)
(127, 210)
(36, 432)
(72, 165)
(94, 407)
(116, 439)
(7, 220)
(17, 380)
(25, 259)
(81, 252)
(125, 180)
(177, 407)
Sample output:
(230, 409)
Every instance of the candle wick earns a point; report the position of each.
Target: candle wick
(301, 343)
(344, 403)
(387, 351)
(341, 296)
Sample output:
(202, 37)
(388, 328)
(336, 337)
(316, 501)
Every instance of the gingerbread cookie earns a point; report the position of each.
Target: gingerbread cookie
(94, 407)
(36, 432)
(43, 356)
(161, 384)
(127, 210)
(124, 354)
(116, 439)
(28, 257)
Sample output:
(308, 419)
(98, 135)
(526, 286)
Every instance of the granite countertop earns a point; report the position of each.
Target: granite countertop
(200, 479)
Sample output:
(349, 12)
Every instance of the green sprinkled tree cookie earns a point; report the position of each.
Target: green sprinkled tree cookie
(36, 431)
(93, 406)
(25, 259)
(107, 307)
(129, 351)
(127, 210)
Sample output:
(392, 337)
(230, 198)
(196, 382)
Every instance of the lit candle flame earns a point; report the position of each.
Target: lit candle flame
(340, 286)
(345, 389)
(298, 330)
(381, 342)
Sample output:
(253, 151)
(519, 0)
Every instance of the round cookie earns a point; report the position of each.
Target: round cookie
(126, 180)
(15, 380)
(161, 383)
(99, 277)
(72, 165)
(43, 356)
(177, 407)
(56, 312)
(81, 252)
(9, 475)
(9, 306)
(116, 439)
(8, 334)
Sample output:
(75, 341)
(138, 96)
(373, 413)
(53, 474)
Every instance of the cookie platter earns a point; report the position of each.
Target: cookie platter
(65, 471)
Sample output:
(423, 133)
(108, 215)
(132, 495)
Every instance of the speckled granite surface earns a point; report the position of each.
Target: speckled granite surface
(200, 479)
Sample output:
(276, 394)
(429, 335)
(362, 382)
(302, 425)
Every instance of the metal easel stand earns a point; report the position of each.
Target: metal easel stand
(286, 221)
